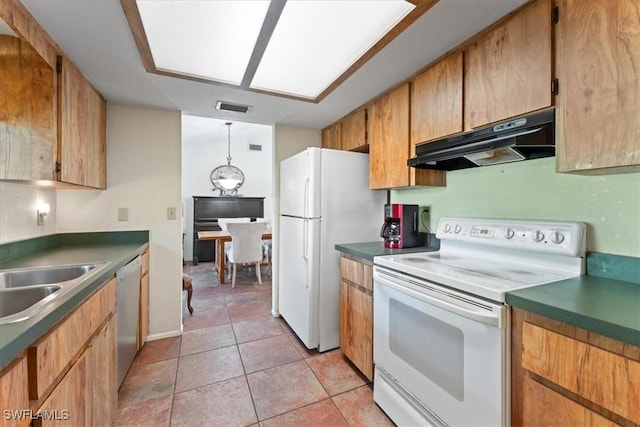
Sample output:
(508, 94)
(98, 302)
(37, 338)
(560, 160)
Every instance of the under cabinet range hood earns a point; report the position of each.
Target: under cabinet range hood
(526, 137)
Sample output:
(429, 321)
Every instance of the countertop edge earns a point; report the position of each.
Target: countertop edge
(579, 320)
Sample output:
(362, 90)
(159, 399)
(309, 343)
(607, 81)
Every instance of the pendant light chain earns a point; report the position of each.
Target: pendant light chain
(228, 143)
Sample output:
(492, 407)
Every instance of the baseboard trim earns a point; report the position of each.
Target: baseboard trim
(155, 337)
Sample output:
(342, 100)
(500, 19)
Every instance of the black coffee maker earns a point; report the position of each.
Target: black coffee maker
(400, 228)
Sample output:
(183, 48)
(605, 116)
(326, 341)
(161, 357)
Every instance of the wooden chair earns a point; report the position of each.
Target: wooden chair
(246, 246)
(187, 285)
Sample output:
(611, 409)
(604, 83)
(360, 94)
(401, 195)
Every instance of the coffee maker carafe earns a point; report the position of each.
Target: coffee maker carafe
(400, 228)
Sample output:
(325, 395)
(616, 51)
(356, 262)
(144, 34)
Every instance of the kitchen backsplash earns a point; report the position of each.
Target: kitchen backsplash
(18, 206)
(609, 204)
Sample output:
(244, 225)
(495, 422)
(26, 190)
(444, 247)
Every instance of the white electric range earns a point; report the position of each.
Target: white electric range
(441, 329)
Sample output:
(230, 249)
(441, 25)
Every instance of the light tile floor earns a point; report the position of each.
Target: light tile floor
(236, 365)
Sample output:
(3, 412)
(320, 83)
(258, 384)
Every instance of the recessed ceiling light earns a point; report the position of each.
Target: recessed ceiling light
(300, 49)
(316, 41)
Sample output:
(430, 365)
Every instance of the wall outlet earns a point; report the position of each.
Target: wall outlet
(123, 214)
(425, 219)
(171, 213)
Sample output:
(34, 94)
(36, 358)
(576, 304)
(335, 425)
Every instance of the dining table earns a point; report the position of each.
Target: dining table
(219, 237)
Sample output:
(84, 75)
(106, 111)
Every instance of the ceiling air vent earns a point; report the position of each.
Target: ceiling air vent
(227, 106)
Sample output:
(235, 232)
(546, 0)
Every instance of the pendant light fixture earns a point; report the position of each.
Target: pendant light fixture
(227, 178)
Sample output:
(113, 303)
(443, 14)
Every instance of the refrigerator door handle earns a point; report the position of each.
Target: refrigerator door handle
(306, 197)
(305, 239)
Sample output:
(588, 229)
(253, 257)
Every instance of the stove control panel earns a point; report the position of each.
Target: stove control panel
(559, 237)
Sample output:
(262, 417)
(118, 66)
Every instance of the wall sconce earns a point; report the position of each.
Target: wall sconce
(42, 211)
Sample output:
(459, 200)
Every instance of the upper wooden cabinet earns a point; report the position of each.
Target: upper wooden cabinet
(27, 112)
(436, 100)
(82, 129)
(508, 70)
(331, 136)
(54, 123)
(598, 106)
(354, 131)
(389, 145)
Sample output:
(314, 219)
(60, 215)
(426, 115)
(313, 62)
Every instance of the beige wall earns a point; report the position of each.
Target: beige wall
(288, 140)
(144, 176)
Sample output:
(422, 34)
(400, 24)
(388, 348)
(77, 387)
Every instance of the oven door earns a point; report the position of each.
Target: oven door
(440, 355)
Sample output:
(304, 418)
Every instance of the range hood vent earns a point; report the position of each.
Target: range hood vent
(527, 137)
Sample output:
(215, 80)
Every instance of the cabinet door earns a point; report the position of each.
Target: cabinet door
(354, 131)
(508, 70)
(81, 129)
(14, 395)
(598, 104)
(436, 100)
(356, 314)
(143, 321)
(389, 140)
(544, 407)
(389, 145)
(331, 137)
(103, 373)
(27, 112)
(600, 376)
(69, 403)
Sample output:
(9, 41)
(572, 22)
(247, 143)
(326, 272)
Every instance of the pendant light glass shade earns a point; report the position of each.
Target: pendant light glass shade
(227, 178)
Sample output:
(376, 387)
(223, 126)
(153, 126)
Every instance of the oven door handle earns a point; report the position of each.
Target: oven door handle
(493, 319)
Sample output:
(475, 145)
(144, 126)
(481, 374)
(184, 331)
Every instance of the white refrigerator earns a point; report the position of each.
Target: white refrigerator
(324, 200)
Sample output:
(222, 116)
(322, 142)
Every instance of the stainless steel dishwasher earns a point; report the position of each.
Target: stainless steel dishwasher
(127, 305)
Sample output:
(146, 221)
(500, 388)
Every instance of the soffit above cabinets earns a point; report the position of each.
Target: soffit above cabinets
(299, 49)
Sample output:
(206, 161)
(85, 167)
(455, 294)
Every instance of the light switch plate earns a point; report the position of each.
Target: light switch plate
(123, 214)
(171, 213)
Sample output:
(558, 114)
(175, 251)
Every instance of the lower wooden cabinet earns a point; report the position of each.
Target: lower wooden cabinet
(356, 312)
(69, 403)
(563, 375)
(104, 375)
(68, 377)
(14, 395)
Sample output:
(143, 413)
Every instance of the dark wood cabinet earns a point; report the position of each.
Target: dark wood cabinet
(207, 210)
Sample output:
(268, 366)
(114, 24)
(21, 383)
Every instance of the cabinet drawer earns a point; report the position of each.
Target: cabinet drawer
(49, 358)
(357, 272)
(544, 407)
(605, 378)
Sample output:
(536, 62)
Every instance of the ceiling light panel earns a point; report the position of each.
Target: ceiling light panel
(208, 39)
(315, 41)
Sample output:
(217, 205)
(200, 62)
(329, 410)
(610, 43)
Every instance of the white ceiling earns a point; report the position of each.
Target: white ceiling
(96, 36)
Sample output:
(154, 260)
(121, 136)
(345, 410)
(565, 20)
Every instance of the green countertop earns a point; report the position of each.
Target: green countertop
(605, 306)
(115, 253)
(368, 250)
(605, 301)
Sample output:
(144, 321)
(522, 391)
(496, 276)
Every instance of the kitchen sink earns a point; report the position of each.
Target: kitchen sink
(26, 291)
(15, 301)
(42, 275)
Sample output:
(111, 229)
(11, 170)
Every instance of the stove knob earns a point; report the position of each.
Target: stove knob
(509, 233)
(557, 237)
(447, 228)
(537, 236)
(457, 229)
